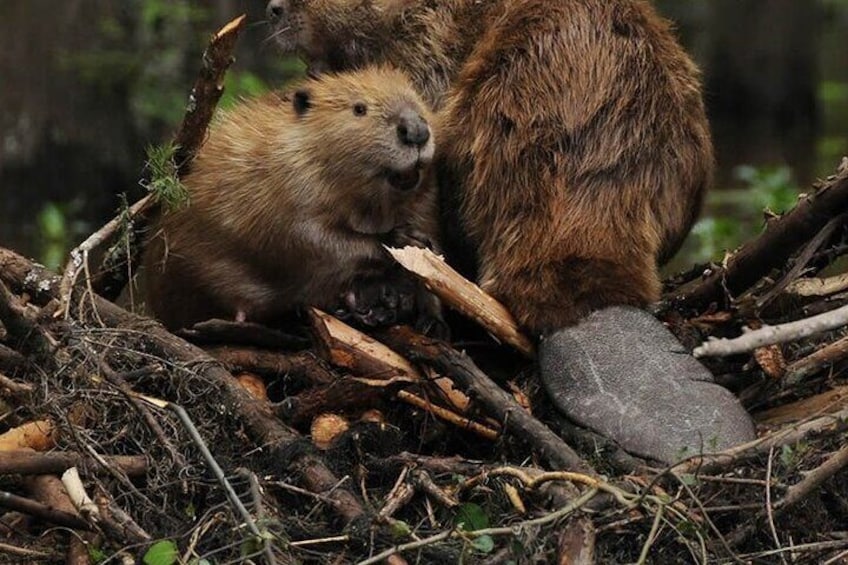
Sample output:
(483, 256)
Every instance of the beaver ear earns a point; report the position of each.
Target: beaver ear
(302, 101)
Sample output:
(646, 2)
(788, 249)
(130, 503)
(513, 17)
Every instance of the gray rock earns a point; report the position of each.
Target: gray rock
(621, 373)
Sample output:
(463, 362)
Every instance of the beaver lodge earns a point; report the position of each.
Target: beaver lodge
(236, 443)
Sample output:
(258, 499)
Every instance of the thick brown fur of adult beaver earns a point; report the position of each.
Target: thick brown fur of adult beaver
(291, 198)
(573, 147)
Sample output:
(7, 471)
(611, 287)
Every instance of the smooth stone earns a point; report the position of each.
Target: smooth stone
(621, 373)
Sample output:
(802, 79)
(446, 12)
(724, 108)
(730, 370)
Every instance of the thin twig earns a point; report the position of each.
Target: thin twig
(769, 510)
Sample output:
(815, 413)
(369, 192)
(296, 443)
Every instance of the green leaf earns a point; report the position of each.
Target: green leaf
(483, 544)
(471, 517)
(161, 553)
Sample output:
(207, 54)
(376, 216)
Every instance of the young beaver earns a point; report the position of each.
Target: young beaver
(574, 149)
(291, 198)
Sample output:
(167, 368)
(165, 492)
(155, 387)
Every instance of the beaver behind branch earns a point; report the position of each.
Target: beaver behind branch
(291, 198)
(575, 149)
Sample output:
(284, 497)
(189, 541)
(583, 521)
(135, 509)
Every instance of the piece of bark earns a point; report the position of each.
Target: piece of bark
(112, 277)
(361, 354)
(500, 404)
(825, 403)
(461, 294)
(258, 417)
(24, 462)
(781, 238)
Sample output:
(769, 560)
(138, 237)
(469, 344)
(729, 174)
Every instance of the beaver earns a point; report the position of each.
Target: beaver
(574, 148)
(291, 199)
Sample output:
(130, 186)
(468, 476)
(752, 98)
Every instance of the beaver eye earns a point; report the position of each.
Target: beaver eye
(360, 109)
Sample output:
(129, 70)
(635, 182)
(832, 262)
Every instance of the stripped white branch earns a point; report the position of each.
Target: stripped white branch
(768, 335)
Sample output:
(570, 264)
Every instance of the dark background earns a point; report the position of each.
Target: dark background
(85, 85)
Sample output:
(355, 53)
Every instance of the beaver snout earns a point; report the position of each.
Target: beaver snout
(275, 10)
(412, 129)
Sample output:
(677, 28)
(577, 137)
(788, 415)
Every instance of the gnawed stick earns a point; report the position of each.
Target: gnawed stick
(110, 280)
(461, 294)
(366, 357)
(768, 335)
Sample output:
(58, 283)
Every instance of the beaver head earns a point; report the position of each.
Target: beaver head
(370, 133)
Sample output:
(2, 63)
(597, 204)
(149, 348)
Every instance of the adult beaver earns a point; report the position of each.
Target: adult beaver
(574, 152)
(291, 198)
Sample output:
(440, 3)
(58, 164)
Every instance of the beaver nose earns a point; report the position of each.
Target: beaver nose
(275, 10)
(412, 129)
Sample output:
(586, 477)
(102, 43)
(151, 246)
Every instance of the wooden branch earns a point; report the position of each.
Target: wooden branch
(768, 335)
(31, 338)
(32, 463)
(501, 405)
(274, 363)
(10, 388)
(827, 355)
(807, 253)
(257, 416)
(463, 295)
(208, 88)
(42, 511)
(11, 360)
(781, 238)
(226, 332)
(825, 403)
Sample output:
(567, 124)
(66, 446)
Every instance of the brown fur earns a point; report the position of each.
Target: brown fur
(287, 209)
(573, 138)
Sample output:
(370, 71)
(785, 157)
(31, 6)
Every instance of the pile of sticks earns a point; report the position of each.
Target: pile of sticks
(233, 441)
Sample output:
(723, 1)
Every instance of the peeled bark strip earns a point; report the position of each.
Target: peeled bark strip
(781, 238)
(461, 294)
